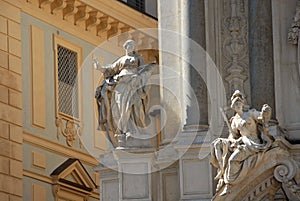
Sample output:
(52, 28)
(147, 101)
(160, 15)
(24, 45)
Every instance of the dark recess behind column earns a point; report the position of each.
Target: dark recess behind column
(194, 28)
(261, 54)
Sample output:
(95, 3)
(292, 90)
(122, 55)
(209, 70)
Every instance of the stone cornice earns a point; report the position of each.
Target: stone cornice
(91, 20)
(47, 179)
(60, 149)
(120, 11)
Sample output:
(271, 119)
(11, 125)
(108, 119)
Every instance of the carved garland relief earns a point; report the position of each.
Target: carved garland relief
(235, 44)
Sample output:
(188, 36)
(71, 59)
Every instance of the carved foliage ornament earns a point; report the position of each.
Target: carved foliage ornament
(293, 33)
(69, 130)
(235, 44)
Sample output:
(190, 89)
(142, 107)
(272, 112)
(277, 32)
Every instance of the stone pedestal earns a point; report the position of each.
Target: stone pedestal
(195, 173)
(127, 176)
(134, 175)
(109, 180)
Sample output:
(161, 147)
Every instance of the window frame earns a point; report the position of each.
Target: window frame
(137, 5)
(58, 40)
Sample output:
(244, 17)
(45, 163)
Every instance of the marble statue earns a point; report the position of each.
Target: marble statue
(248, 136)
(123, 96)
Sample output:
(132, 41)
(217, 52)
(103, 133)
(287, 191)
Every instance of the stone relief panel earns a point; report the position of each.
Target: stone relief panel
(235, 58)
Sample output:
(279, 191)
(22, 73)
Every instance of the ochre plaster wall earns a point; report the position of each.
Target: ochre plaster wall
(11, 156)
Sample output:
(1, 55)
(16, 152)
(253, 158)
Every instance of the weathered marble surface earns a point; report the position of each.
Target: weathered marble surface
(286, 68)
(193, 27)
(248, 138)
(253, 162)
(123, 96)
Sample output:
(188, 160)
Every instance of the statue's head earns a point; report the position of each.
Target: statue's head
(237, 100)
(129, 46)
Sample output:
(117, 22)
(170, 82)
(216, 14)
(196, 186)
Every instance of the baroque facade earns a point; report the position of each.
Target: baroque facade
(248, 46)
(208, 49)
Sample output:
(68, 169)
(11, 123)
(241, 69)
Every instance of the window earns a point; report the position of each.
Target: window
(67, 90)
(67, 84)
(137, 4)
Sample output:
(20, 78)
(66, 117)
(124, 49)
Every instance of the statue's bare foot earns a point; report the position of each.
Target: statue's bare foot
(128, 135)
(226, 190)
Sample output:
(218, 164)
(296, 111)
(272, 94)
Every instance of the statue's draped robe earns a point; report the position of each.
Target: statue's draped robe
(124, 94)
(233, 162)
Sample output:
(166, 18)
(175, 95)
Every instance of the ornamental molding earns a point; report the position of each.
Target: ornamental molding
(276, 170)
(69, 129)
(58, 148)
(235, 44)
(83, 15)
(71, 178)
(285, 173)
(293, 32)
(91, 23)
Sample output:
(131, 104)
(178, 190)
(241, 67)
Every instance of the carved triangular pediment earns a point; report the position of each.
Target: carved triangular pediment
(72, 174)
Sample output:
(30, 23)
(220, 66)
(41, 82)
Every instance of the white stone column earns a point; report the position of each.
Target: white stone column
(193, 62)
(170, 68)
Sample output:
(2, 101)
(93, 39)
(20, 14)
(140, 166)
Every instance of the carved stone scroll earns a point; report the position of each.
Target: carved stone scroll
(113, 29)
(285, 173)
(93, 19)
(104, 25)
(71, 8)
(58, 5)
(82, 14)
(42, 3)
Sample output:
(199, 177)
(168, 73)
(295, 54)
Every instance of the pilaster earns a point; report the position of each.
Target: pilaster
(11, 139)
